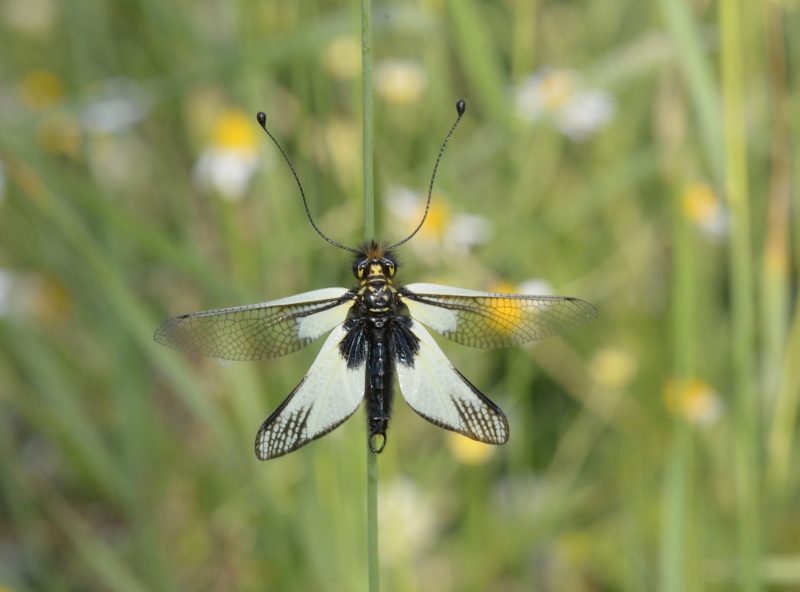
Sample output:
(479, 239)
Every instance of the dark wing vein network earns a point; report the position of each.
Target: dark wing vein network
(487, 320)
(254, 332)
(443, 396)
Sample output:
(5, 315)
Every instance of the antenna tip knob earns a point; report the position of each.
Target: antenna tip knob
(461, 106)
(262, 118)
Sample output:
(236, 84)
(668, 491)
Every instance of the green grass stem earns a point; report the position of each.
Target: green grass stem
(677, 482)
(780, 335)
(366, 99)
(369, 233)
(747, 416)
(698, 72)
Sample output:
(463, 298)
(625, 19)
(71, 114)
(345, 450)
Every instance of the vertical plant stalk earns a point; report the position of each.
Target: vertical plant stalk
(747, 418)
(372, 520)
(699, 75)
(523, 39)
(677, 481)
(781, 342)
(369, 232)
(366, 99)
(675, 562)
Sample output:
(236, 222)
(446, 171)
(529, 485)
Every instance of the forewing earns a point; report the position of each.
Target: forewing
(441, 394)
(328, 394)
(258, 331)
(488, 320)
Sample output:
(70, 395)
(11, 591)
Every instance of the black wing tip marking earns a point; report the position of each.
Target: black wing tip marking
(297, 422)
(491, 434)
(501, 436)
(299, 443)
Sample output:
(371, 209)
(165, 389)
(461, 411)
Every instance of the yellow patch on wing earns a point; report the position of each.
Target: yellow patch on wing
(509, 313)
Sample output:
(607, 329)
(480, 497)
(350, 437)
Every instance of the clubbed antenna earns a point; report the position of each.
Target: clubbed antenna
(460, 107)
(262, 120)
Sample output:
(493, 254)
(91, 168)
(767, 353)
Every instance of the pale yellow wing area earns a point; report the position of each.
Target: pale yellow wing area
(441, 394)
(489, 320)
(328, 394)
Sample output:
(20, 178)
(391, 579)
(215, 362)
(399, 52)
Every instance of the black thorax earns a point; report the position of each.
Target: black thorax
(378, 336)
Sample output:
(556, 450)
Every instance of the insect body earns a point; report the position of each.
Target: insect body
(376, 334)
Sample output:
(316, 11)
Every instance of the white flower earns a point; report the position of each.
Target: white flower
(705, 210)
(228, 172)
(536, 287)
(613, 367)
(342, 57)
(694, 400)
(119, 161)
(410, 516)
(443, 232)
(400, 81)
(37, 18)
(115, 107)
(559, 95)
(587, 112)
(27, 295)
(229, 161)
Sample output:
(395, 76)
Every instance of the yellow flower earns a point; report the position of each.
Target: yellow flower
(235, 130)
(693, 400)
(60, 133)
(444, 233)
(40, 90)
(436, 223)
(613, 368)
(53, 303)
(342, 142)
(502, 287)
(412, 519)
(401, 82)
(27, 295)
(468, 451)
(560, 96)
(342, 57)
(31, 17)
(229, 161)
(704, 209)
(557, 87)
(115, 105)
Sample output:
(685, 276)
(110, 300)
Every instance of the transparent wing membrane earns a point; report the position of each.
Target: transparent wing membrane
(441, 394)
(487, 320)
(258, 331)
(328, 394)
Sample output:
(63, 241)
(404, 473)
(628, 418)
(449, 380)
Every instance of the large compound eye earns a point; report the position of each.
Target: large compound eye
(360, 268)
(388, 267)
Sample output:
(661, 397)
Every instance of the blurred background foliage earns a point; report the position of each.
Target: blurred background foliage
(638, 155)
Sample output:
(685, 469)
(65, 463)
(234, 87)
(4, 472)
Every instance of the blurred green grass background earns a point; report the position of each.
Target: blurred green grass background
(655, 449)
